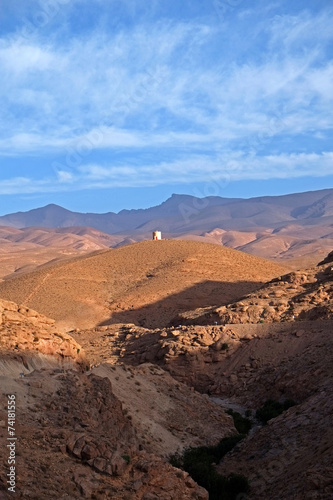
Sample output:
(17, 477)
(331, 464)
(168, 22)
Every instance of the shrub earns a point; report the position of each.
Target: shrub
(272, 409)
(127, 458)
(198, 462)
(242, 424)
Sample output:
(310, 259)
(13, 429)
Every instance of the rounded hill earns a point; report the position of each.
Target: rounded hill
(146, 283)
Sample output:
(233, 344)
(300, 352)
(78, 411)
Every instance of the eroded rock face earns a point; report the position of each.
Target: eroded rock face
(75, 442)
(167, 415)
(251, 362)
(185, 352)
(297, 296)
(73, 438)
(24, 330)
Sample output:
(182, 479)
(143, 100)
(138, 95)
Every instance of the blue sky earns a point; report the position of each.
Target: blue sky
(111, 104)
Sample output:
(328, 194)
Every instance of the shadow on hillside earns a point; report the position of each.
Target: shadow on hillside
(190, 306)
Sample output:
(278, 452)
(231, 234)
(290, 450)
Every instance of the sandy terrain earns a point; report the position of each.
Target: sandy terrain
(143, 283)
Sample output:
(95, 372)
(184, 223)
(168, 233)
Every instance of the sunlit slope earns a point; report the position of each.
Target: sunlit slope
(146, 283)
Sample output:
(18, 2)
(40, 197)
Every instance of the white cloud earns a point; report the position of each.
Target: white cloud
(295, 31)
(228, 166)
(65, 177)
(164, 90)
(21, 58)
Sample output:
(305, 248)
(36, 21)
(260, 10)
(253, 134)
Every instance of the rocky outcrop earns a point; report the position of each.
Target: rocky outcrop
(251, 361)
(327, 260)
(23, 330)
(76, 442)
(185, 352)
(297, 296)
(167, 414)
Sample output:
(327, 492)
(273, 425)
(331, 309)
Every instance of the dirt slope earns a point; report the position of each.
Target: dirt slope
(145, 283)
(292, 457)
(166, 414)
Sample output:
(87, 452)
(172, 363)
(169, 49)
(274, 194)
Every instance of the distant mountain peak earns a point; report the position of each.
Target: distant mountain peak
(53, 206)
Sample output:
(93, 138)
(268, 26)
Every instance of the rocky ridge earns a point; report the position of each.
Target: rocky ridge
(25, 330)
(296, 296)
(250, 362)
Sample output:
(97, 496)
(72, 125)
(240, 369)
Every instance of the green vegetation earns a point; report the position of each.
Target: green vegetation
(199, 463)
(272, 409)
(224, 346)
(242, 424)
(127, 458)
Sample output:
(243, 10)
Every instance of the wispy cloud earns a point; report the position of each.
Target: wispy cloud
(233, 166)
(171, 91)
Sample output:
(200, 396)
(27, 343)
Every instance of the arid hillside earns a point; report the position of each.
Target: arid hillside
(292, 244)
(24, 250)
(145, 283)
(278, 348)
(76, 238)
(104, 407)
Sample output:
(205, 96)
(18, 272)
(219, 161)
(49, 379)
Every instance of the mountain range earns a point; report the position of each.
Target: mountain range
(283, 227)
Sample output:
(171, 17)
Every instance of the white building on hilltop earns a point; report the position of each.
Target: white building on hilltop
(157, 235)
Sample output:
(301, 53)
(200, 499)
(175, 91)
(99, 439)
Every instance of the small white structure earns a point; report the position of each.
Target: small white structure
(157, 235)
